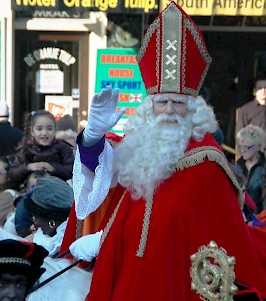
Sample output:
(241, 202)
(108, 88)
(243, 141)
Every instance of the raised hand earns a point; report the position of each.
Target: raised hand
(103, 114)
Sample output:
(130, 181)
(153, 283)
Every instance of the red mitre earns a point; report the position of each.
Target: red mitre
(173, 57)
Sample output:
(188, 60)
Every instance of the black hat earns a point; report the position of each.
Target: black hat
(22, 257)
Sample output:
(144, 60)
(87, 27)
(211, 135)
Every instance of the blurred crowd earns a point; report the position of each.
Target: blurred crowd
(44, 149)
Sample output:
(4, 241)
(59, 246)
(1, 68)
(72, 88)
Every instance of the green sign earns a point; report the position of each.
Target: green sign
(118, 68)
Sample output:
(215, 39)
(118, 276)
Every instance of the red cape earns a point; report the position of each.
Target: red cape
(194, 206)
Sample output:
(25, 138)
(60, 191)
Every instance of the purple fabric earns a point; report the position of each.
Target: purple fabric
(89, 155)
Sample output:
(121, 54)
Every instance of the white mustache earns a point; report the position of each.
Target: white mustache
(170, 118)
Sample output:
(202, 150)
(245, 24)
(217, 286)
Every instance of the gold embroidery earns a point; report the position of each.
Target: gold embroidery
(145, 225)
(145, 228)
(156, 88)
(111, 220)
(190, 159)
(171, 51)
(212, 273)
(79, 225)
(202, 48)
(152, 90)
(199, 154)
(153, 27)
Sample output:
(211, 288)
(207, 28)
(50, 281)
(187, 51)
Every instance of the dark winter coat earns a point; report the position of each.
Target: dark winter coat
(10, 138)
(59, 154)
(254, 180)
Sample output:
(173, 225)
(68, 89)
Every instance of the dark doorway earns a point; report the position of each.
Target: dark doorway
(236, 59)
(49, 64)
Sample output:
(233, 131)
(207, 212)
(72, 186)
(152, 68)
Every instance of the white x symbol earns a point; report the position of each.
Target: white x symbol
(170, 74)
(170, 59)
(171, 45)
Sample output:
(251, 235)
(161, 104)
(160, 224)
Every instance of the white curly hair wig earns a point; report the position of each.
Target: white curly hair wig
(151, 148)
(202, 116)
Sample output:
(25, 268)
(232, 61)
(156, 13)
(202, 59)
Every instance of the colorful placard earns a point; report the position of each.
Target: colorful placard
(118, 68)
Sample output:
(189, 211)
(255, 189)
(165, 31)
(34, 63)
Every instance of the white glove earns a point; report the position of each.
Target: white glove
(103, 115)
(86, 247)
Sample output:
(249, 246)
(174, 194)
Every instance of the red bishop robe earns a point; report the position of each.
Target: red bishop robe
(197, 204)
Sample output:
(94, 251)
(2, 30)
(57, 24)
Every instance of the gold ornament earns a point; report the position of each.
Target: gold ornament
(212, 273)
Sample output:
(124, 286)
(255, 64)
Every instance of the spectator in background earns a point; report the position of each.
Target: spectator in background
(10, 136)
(21, 221)
(69, 136)
(20, 268)
(250, 145)
(50, 203)
(8, 191)
(254, 112)
(67, 130)
(42, 150)
(66, 123)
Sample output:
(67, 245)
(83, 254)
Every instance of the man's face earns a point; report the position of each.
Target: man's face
(12, 287)
(170, 104)
(43, 223)
(261, 91)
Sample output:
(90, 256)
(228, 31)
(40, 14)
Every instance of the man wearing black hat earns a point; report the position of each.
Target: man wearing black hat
(20, 268)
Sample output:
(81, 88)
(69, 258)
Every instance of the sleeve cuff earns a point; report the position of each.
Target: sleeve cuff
(89, 155)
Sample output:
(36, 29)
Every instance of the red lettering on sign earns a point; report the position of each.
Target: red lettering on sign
(129, 73)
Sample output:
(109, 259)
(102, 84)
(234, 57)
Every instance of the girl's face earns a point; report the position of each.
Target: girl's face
(43, 130)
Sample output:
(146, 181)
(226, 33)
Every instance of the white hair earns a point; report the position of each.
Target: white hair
(151, 148)
(203, 117)
(255, 134)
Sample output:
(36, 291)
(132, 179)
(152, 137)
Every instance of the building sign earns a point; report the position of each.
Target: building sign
(79, 8)
(49, 53)
(49, 81)
(220, 7)
(58, 105)
(49, 78)
(118, 68)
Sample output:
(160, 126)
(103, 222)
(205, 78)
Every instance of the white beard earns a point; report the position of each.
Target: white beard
(149, 153)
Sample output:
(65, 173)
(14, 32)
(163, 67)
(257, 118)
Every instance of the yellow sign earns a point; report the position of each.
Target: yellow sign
(121, 6)
(220, 7)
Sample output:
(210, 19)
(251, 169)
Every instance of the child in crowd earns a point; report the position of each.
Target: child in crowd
(42, 150)
(22, 219)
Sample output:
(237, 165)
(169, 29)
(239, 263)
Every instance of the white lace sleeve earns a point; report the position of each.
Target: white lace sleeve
(90, 189)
